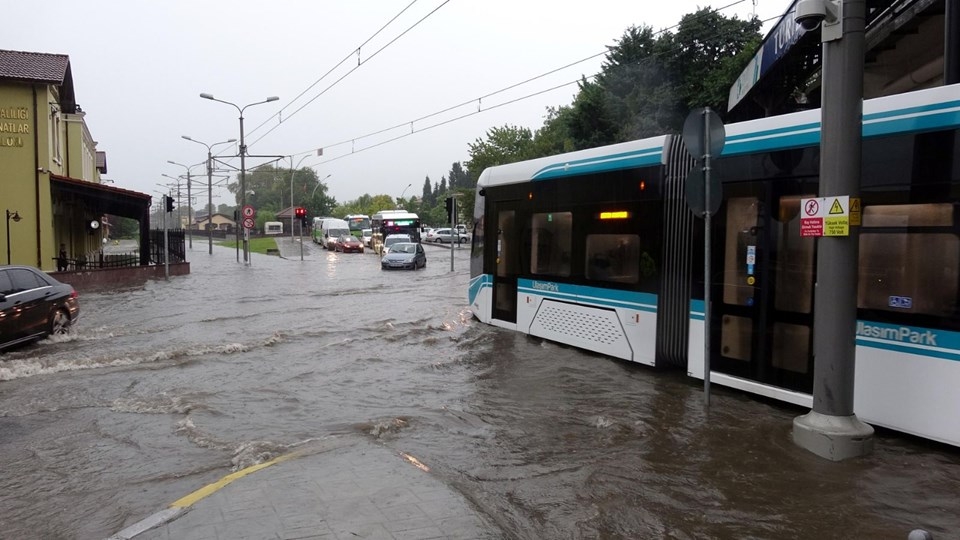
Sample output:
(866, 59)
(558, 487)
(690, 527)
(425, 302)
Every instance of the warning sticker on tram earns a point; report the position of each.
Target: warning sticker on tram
(825, 216)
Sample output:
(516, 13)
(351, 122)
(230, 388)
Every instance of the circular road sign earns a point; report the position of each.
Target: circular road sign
(249, 212)
(248, 223)
(700, 123)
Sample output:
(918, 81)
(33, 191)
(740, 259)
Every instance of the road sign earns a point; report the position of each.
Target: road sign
(249, 212)
(825, 216)
(249, 223)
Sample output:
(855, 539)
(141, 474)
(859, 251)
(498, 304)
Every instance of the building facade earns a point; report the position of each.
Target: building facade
(51, 188)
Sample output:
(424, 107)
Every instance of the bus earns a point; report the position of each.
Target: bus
(387, 222)
(357, 223)
(598, 249)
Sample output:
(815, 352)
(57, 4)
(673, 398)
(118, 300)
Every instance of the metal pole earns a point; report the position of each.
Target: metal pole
(189, 213)
(209, 201)
(243, 187)
(453, 227)
(707, 312)
(166, 246)
(291, 204)
(8, 237)
(831, 430)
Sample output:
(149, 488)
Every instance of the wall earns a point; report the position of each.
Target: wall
(18, 173)
(85, 281)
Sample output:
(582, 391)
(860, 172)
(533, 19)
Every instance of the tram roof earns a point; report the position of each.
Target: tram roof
(627, 155)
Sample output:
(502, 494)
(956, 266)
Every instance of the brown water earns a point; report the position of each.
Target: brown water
(167, 387)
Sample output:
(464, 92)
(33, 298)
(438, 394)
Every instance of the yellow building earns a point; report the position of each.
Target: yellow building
(50, 185)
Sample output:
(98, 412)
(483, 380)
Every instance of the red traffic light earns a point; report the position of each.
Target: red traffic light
(301, 212)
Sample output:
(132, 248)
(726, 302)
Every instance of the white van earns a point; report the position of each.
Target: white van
(273, 227)
(329, 230)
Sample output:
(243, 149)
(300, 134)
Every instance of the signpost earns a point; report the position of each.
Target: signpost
(704, 136)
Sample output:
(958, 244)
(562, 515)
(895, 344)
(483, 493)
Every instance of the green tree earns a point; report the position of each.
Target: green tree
(507, 144)
(458, 177)
(427, 198)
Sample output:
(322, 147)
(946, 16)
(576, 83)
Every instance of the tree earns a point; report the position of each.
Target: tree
(458, 178)
(507, 144)
(428, 197)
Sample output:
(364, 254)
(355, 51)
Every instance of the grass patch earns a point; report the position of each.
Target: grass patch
(257, 245)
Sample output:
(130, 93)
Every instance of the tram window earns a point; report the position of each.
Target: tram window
(912, 272)
(550, 243)
(613, 257)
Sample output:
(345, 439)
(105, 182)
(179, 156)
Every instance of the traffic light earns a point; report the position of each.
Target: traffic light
(169, 202)
(301, 214)
(450, 207)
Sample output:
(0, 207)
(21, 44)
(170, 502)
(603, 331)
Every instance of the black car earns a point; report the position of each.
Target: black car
(33, 305)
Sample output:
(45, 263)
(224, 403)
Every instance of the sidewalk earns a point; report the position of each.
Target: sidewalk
(339, 488)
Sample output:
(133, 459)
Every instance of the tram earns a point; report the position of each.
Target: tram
(598, 249)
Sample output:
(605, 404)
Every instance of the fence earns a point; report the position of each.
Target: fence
(175, 246)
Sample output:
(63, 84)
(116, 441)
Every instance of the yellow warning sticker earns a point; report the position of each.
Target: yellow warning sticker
(854, 211)
(836, 207)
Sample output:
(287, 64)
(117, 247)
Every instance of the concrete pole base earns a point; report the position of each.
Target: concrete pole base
(836, 438)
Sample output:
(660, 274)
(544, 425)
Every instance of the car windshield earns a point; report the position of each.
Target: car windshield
(403, 248)
(338, 232)
(391, 240)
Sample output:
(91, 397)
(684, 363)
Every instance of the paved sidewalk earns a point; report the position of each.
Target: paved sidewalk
(339, 488)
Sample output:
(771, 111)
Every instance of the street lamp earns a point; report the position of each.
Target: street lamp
(15, 216)
(292, 174)
(243, 165)
(209, 187)
(314, 192)
(189, 200)
(404, 192)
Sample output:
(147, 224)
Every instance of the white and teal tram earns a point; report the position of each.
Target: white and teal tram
(597, 249)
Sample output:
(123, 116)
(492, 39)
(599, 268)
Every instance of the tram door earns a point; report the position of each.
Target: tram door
(763, 307)
(505, 263)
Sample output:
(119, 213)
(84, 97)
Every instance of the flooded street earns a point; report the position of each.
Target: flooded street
(164, 388)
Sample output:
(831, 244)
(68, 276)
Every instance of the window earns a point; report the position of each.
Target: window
(613, 257)
(550, 243)
(909, 257)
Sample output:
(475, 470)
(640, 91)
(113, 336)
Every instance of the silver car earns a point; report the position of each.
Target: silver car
(404, 255)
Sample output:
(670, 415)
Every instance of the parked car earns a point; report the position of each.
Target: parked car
(392, 239)
(404, 255)
(34, 305)
(348, 243)
(441, 236)
(366, 236)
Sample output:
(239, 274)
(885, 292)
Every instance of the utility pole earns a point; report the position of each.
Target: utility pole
(831, 430)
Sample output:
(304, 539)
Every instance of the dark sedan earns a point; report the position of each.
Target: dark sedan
(347, 243)
(33, 305)
(407, 255)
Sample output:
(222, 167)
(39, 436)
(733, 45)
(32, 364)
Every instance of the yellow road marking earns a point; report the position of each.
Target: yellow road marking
(210, 489)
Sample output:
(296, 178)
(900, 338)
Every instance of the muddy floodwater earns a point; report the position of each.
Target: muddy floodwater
(166, 387)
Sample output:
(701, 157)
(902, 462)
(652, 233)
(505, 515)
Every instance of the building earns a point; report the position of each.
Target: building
(52, 188)
(221, 222)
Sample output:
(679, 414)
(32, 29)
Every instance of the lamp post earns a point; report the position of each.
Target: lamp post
(209, 187)
(314, 192)
(15, 216)
(404, 192)
(293, 173)
(189, 200)
(243, 165)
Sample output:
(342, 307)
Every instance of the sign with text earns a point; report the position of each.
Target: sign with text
(825, 216)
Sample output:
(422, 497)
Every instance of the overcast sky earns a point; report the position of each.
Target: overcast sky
(139, 67)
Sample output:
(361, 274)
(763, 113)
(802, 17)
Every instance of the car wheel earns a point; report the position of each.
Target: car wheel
(60, 323)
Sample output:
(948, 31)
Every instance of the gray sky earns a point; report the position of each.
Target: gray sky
(139, 67)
